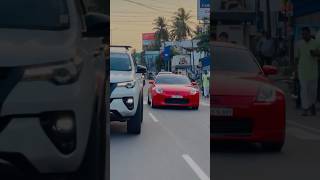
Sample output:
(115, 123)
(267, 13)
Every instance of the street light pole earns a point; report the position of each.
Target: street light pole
(192, 55)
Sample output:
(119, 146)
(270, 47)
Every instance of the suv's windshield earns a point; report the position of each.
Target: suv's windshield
(34, 14)
(120, 62)
(173, 80)
(235, 60)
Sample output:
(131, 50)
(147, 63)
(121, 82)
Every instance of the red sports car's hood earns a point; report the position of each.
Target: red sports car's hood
(236, 84)
(175, 88)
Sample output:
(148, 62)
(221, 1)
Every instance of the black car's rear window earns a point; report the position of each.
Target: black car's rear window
(34, 14)
(235, 60)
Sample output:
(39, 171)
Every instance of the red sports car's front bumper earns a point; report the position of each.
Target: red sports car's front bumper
(251, 121)
(169, 99)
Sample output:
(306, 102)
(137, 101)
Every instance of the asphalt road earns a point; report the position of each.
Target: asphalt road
(173, 145)
(300, 158)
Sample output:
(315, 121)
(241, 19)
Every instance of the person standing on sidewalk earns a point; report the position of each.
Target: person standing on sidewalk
(308, 71)
(205, 84)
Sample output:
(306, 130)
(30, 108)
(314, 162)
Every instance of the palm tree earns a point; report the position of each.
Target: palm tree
(203, 37)
(161, 29)
(180, 29)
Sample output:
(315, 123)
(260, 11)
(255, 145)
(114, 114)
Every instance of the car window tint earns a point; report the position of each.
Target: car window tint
(34, 14)
(235, 60)
(172, 79)
(120, 62)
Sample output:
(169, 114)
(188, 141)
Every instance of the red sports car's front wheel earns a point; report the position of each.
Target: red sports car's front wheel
(272, 147)
(195, 108)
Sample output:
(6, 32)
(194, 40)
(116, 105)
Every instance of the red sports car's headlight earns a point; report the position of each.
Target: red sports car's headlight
(266, 94)
(193, 91)
(159, 90)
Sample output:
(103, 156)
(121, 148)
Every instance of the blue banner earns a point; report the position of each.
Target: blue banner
(301, 8)
(167, 53)
(204, 3)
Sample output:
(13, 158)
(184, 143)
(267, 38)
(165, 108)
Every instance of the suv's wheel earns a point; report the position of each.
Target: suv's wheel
(149, 102)
(134, 124)
(94, 163)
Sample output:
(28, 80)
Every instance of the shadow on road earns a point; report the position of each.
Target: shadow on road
(238, 148)
(174, 108)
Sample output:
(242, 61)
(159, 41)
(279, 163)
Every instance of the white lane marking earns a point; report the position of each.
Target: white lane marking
(145, 102)
(302, 134)
(153, 117)
(204, 104)
(303, 126)
(195, 167)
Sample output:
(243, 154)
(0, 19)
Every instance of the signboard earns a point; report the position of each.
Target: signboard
(150, 58)
(203, 9)
(148, 41)
(232, 5)
(180, 60)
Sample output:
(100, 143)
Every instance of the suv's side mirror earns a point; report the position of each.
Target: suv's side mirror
(141, 69)
(97, 25)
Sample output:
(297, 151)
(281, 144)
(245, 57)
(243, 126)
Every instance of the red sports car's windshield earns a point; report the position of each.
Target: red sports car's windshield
(234, 60)
(173, 80)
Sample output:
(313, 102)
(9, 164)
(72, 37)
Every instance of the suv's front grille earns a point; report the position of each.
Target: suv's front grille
(9, 77)
(4, 121)
(176, 101)
(112, 87)
(4, 73)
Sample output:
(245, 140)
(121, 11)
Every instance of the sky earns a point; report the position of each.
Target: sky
(130, 18)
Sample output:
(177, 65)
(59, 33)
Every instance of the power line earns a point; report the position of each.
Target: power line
(155, 8)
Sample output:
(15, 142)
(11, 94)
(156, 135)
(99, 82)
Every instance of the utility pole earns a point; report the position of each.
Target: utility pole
(268, 18)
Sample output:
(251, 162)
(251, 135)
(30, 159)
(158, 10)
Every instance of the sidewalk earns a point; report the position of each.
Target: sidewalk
(293, 113)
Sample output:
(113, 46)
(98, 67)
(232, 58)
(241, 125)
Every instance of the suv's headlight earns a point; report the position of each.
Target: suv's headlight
(266, 94)
(127, 84)
(193, 91)
(59, 73)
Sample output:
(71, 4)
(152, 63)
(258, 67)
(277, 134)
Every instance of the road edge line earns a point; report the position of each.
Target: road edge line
(153, 117)
(195, 167)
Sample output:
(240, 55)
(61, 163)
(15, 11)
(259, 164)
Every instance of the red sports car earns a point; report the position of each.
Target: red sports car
(245, 105)
(173, 90)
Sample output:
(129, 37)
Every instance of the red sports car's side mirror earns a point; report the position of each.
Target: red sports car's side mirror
(269, 70)
(151, 81)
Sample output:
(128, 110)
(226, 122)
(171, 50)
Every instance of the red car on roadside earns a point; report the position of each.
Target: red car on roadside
(169, 90)
(245, 105)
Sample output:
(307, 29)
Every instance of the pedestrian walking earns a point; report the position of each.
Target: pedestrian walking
(205, 83)
(266, 49)
(306, 55)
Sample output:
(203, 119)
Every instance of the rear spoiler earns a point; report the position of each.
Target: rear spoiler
(120, 46)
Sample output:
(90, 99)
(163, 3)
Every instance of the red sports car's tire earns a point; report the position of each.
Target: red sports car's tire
(272, 147)
(195, 108)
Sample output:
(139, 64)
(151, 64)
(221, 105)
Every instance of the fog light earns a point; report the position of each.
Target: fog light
(64, 124)
(129, 102)
(60, 127)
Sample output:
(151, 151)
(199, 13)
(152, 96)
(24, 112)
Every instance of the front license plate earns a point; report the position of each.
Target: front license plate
(177, 96)
(226, 112)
